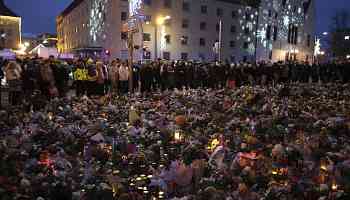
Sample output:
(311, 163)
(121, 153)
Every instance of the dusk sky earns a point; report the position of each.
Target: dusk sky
(39, 15)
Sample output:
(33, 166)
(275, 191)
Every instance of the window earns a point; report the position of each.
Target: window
(270, 55)
(166, 55)
(219, 12)
(167, 22)
(167, 39)
(233, 29)
(148, 18)
(276, 15)
(284, 2)
(147, 2)
(186, 5)
(123, 35)
(246, 30)
(275, 33)
(124, 16)
(184, 40)
(245, 45)
(184, 56)
(204, 9)
(203, 26)
(185, 23)
(232, 43)
(234, 14)
(268, 32)
(146, 37)
(270, 13)
(292, 34)
(217, 27)
(308, 40)
(201, 42)
(167, 3)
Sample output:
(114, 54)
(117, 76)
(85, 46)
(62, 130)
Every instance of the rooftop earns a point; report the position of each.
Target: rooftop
(71, 7)
(5, 11)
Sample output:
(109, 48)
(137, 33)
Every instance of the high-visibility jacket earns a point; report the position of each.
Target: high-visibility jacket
(81, 74)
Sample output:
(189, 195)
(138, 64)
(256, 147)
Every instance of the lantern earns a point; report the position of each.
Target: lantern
(178, 136)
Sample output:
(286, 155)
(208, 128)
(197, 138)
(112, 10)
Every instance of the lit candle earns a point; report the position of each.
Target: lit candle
(334, 186)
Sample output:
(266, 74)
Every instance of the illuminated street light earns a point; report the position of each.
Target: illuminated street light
(325, 33)
(160, 20)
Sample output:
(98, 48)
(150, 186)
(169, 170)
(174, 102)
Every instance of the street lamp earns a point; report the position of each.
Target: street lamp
(325, 33)
(159, 21)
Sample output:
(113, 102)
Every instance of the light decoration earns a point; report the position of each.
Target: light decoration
(213, 144)
(135, 7)
(178, 137)
(317, 47)
(97, 19)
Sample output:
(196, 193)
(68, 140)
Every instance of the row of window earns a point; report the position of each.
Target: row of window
(184, 40)
(187, 7)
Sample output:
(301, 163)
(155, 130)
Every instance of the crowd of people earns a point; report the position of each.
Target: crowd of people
(189, 131)
(54, 77)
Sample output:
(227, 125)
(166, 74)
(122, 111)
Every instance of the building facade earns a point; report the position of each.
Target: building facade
(10, 28)
(192, 28)
(189, 29)
(95, 27)
(92, 28)
(286, 30)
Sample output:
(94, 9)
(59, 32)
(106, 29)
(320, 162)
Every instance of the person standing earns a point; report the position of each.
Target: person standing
(47, 83)
(100, 79)
(13, 74)
(123, 78)
(92, 78)
(114, 76)
(80, 75)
